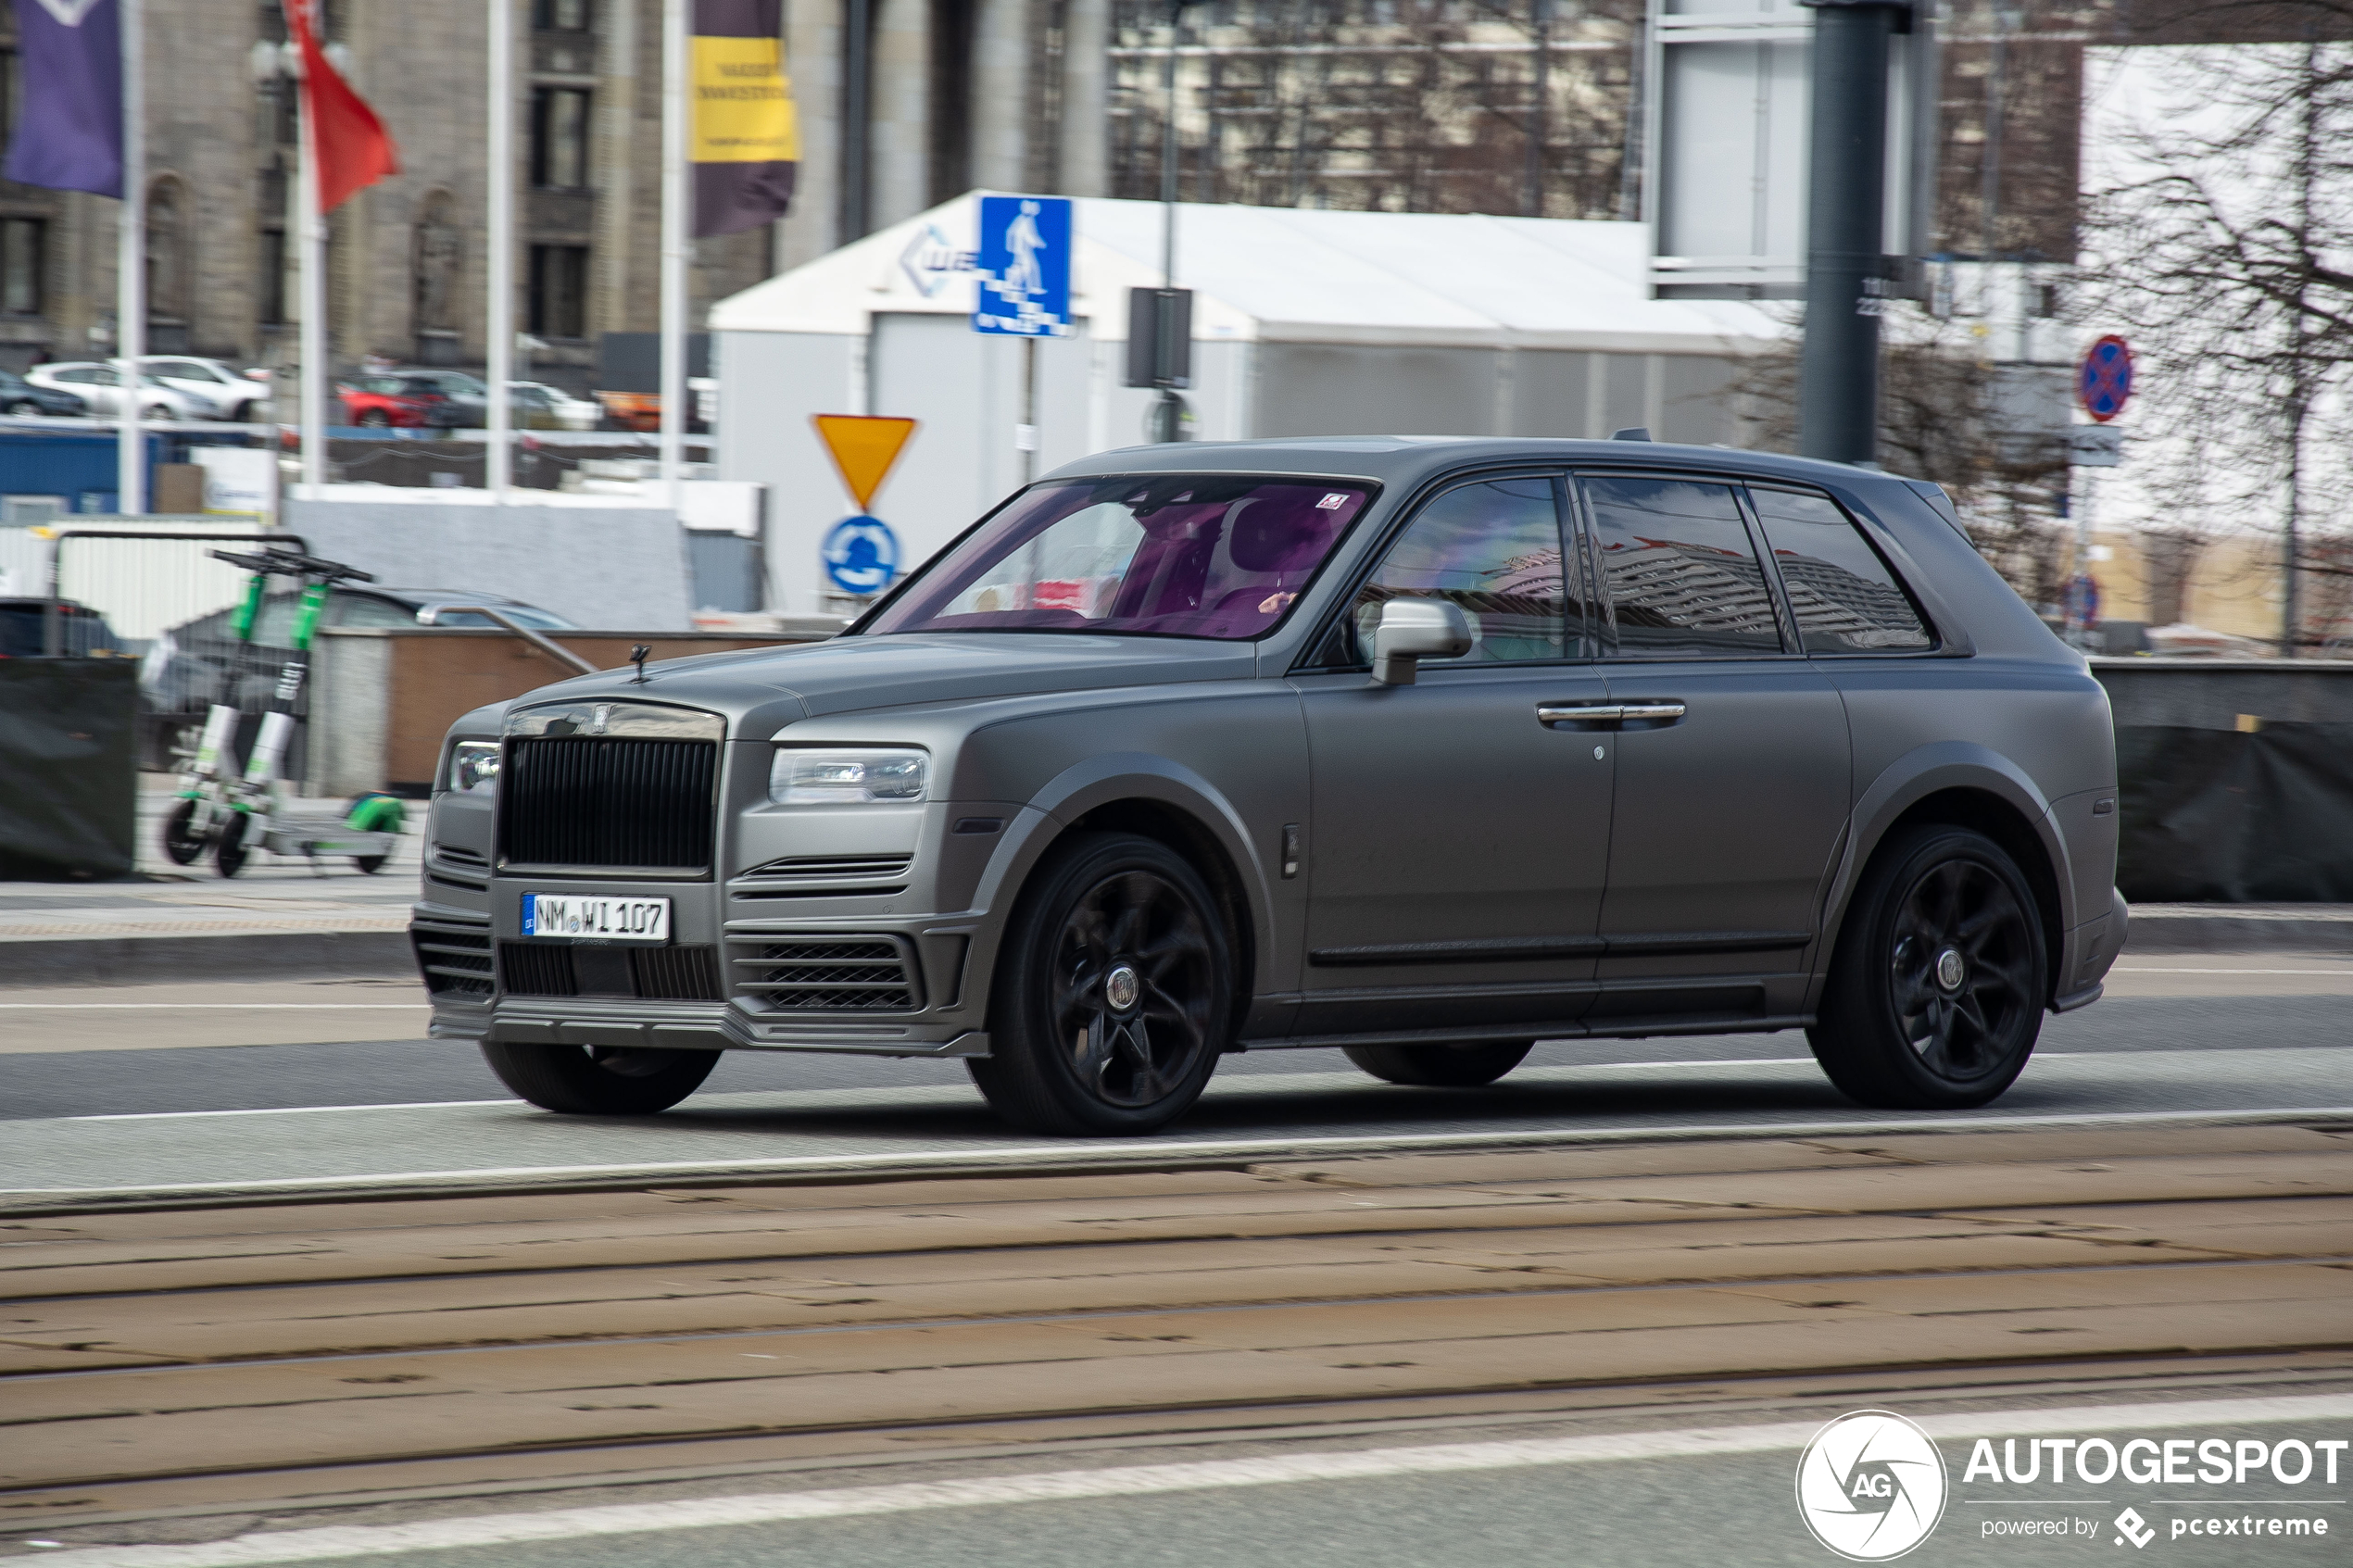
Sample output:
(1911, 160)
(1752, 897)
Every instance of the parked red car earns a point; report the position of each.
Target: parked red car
(377, 402)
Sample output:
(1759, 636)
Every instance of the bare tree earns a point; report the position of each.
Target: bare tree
(2222, 240)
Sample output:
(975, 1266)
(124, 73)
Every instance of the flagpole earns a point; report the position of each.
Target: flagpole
(314, 302)
(498, 455)
(674, 195)
(131, 265)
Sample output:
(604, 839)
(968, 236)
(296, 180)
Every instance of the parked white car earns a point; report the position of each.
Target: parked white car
(228, 391)
(101, 387)
(538, 405)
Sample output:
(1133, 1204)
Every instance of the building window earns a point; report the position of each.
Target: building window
(559, 138)
(11, 95)
(560, 291)
(562, 16)
(167, 253)
(22, 248)
(270, 288)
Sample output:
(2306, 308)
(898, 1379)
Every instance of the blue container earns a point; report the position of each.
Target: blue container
(78, 465)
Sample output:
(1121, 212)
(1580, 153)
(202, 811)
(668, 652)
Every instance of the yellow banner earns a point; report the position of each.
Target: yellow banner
(742, 108)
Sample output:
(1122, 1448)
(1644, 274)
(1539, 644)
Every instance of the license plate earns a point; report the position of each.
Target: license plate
(596, 920)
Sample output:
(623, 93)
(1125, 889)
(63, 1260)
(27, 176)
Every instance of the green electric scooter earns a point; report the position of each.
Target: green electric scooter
(231, 815)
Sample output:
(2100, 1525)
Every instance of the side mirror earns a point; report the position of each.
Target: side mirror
(1413, 629)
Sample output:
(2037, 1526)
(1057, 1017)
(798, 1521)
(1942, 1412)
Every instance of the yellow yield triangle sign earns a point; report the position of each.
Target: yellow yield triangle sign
(864, 447)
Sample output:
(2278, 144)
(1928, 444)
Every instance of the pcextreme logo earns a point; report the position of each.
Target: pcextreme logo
(1870, 1485)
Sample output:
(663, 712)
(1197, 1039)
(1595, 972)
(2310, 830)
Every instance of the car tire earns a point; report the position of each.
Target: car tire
(242, 414)
(1938, 981)
(182, 843)
(596, 1080)
(370, 864)
(159, 414)
(376, 418)
(24, 408)
(1114, 994)
(1459, 1066)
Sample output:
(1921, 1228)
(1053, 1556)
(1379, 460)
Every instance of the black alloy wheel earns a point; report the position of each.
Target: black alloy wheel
(1114, 992)
(1937, 989)
(1460, 1065)
(180, 839)
(598, 1080)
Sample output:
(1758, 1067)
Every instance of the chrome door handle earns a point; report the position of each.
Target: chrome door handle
(1579, 712)
(1607, 712)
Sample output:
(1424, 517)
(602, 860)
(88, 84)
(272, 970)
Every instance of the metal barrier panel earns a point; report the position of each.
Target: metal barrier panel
(69, 776)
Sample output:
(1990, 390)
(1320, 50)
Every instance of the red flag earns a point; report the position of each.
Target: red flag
(345, 136)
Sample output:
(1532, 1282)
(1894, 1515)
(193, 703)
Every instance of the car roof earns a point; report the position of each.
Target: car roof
(1408, 459)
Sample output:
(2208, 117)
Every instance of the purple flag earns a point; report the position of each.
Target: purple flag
(69, 127)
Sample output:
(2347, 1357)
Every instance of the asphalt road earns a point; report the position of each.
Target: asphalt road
(1675, 1512)
(159, 1086)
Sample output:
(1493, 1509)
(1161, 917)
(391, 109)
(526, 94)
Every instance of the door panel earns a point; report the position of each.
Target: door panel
(1731, 799)
(1726, 818)
(1459, 841)
(1457, 848)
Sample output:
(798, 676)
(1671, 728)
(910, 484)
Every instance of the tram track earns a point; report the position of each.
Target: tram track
(136, 1348)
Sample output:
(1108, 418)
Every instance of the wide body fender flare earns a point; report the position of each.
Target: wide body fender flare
(1931, 769)
(1102, 781)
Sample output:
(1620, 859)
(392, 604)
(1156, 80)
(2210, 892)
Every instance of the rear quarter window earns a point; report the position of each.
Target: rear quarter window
(1847, 599)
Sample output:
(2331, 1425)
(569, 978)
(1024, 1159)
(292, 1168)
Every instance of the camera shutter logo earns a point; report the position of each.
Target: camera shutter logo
(1870, 1485)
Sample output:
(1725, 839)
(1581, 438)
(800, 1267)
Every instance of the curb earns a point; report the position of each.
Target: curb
(1075, 1159)
(2252, 928)
(241, 955)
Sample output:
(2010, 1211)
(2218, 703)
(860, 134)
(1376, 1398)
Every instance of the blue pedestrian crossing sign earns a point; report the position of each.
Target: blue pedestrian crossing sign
(1024, 261)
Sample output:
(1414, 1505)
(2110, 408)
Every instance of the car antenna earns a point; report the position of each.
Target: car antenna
(637, 656)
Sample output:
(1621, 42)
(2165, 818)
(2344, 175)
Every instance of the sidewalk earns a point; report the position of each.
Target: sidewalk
(282, 919)
(278, 917)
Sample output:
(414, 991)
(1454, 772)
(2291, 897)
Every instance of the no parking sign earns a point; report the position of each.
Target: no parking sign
(2104, 379)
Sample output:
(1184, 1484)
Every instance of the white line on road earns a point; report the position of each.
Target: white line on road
(217, 1006)
(1065, 1485)
(2169, 969)
(284, 1110)
(1150, 1153)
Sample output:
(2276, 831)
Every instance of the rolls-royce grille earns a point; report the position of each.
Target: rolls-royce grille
(835, 973)
(455, 963)
(608, 800)
(668, 974)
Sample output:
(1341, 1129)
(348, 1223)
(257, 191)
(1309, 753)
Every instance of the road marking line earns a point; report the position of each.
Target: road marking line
(1149, 1153)
(197, 1007)
(282, 1110)
(2169, 968)
(1065, 1485)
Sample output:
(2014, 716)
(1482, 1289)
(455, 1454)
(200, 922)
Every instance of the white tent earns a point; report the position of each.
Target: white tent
(1304, 323)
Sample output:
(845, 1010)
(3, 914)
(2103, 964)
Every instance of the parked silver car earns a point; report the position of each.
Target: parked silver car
(1424, 749)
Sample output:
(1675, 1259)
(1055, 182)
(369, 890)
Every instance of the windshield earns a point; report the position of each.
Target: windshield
(1173, 554)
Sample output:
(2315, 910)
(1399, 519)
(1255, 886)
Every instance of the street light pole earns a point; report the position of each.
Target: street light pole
(1846, 231)
(1168, 418)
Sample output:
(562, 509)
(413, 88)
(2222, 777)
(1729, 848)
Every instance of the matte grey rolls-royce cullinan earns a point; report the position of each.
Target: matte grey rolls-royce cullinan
(1423, 749)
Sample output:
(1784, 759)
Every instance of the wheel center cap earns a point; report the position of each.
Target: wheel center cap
(1950, 970)
(1122, 987)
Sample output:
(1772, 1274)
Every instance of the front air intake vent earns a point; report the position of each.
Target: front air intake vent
(455, 963)
(608, 802)
(648, 974)
(834, 865)
(826, 973)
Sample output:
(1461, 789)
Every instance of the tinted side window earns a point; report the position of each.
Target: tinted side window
(1845, 599)
(1684, 582)
(1494, 550)
(360, 609)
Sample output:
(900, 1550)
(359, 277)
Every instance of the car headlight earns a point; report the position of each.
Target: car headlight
(474, 764)
(847, 775)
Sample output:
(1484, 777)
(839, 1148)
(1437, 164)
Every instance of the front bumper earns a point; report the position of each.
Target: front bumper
(460, 951)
